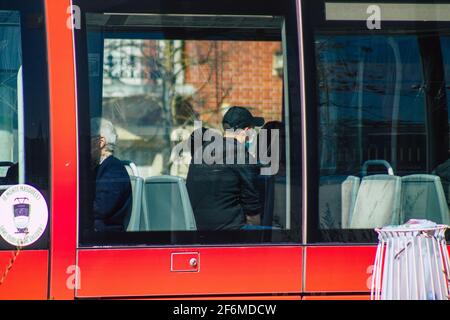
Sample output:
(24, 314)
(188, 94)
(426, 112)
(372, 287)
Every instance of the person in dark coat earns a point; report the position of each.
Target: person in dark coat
(223, 195)
(112, 196)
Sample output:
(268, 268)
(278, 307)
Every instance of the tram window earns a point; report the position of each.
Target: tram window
(382, 123)
(157, 79)
(24, 106)
(11, 102)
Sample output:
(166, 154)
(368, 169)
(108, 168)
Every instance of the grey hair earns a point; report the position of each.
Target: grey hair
(104, 128)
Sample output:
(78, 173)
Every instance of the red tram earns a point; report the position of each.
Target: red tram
(359, 90)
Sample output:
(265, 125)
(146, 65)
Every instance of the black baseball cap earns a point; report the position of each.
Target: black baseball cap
(240, 118)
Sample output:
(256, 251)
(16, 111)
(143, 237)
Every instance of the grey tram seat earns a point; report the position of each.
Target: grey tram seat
(423, 198)
(349, 192)
(131, 168)
(377, 203)
(378, 162)
(137, 185)
(279, 204)
(166, 205)
(274, 188)
(330, 201)
(337, 197)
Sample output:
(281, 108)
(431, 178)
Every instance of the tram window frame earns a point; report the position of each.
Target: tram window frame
(88, 238)
(313, 16)
(34, 155)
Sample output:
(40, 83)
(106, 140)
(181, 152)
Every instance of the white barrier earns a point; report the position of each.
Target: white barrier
(411, 263)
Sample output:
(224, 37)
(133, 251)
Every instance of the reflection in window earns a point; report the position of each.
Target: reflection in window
(383, 129)
(156, 89)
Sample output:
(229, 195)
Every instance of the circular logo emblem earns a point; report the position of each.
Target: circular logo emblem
(23, 215)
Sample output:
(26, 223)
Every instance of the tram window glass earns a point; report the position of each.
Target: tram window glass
(382, 120)
(11, 100)
(24, 108)
(158, 78)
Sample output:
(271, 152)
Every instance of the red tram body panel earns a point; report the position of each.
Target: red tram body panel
(23, 281)
(221, 271)
(64, 160)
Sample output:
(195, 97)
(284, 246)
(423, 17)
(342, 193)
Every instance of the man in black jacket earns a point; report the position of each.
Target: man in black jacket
(113, 197)
(223, 193)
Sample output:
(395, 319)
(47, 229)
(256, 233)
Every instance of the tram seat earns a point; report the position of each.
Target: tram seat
(266, 188)
(330, 201)
(273, 196)
(5, 165)
(423, 198)
(349, 192)
(137, 184)
(279, 204)
(377, 203)
(166, 205)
